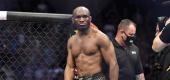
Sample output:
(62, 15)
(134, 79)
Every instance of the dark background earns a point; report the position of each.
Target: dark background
(107, 12)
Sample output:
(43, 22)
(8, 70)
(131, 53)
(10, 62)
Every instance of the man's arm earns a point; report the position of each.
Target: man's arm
(162, 39)
(158, 45)
(69, 69)
(140, 76)
(109, 56)
(138, 66)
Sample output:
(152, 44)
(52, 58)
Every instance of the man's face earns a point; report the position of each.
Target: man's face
(129, 34)
(81, 19)
(130, 31)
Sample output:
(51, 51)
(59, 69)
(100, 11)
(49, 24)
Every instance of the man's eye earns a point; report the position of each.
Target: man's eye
(82, 16)
(85, 16)
(78, 17)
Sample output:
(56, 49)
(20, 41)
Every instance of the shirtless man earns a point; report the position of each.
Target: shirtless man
(87, 48)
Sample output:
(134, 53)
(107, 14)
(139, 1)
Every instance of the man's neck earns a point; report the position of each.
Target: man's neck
(84, 32)
(120, 41)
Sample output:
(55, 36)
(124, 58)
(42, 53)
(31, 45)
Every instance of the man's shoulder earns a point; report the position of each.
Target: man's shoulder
(100, 33)
(101, 37)
(72, 38)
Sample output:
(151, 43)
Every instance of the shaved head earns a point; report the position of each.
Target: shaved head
(81, 18)
(81, 9)
(124, 24)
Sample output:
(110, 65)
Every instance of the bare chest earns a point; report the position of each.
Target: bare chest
(86, 46)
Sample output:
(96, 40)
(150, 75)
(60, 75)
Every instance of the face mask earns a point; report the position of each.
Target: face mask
(129, 40)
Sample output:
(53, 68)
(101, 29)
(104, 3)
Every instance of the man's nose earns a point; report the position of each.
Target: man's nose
(81, 19)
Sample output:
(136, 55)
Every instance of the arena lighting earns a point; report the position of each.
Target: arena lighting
(33, 16)
(3, 15)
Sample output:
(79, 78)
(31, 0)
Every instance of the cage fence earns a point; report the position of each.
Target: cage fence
(33, 50)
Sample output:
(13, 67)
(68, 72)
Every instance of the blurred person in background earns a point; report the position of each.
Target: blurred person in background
(161, 47)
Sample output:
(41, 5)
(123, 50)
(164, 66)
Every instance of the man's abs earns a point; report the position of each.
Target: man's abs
(88, 65)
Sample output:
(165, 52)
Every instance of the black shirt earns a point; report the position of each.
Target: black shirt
(165, 34)
(165, 64)
(128, 60)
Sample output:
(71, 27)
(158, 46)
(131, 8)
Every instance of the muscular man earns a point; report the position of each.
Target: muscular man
(127, 54)
(87, 48)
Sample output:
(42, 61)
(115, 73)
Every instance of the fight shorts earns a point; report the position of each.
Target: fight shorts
(97, 76)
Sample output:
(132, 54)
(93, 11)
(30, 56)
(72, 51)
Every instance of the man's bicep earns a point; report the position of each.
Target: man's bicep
(69, 56)
(112, 51)
(108, 52)
(68, 74)
(70, 59)
(107, 49)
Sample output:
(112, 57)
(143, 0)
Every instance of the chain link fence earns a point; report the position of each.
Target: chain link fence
(33, 50)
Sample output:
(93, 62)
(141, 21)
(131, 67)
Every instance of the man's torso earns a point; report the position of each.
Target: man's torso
(127, 60)
(86, 53)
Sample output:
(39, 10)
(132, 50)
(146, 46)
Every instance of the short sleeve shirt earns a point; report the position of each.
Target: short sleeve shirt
(129, 61)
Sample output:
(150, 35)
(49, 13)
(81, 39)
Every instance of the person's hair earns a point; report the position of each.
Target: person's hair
(81, 7)
(124, 24)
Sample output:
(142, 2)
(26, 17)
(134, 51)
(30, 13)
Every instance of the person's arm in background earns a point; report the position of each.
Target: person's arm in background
(69, 69)
(109, 56)
(161, 40)
(158, 44)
